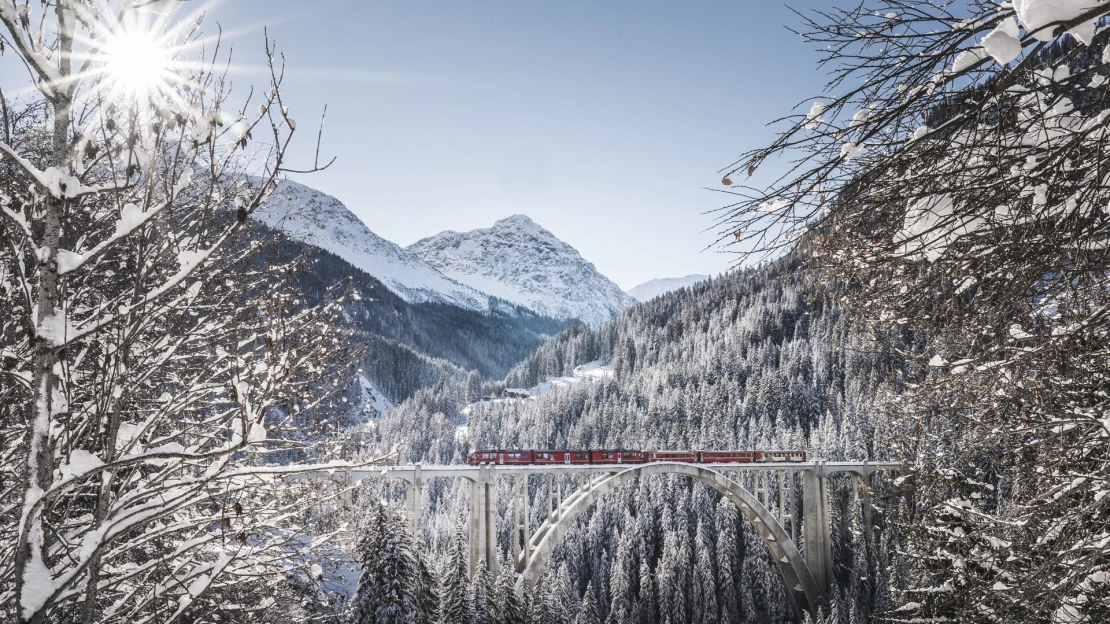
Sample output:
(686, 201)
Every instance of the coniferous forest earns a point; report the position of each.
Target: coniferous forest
(762, 358)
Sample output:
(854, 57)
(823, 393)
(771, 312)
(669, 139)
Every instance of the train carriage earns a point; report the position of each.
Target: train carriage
(687, 457)
(560, 457)
(617, 456)
(780, 456)
(511, 458)
(727, 457)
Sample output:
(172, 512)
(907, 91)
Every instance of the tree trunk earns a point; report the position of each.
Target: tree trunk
(39, 450)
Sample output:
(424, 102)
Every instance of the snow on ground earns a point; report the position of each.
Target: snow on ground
(588, 372)
(373, 402)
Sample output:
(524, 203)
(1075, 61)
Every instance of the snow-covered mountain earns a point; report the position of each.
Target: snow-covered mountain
(519, 261)
(312, 217)
(653, 288)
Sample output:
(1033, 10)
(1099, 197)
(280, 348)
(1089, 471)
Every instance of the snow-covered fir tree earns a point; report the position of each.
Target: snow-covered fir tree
(588, 614)
(454, 606)
(389, 582)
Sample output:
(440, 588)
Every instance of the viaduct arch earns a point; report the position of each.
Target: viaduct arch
(796, 576)
(772, 506)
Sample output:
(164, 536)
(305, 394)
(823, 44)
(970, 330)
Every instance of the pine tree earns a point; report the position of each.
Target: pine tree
(705, 584)
(588, 613)
(454, 607)
(536, 604)
(755, 577)
(427, 594)
(561, 597)
(482, 609)
(508, 603)
(728, 560)
(620, 584)
(473, 391)
(672, 580)
(387, 587)
(646, 609)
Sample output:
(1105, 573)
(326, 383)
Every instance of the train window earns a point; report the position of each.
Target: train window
(607, 456)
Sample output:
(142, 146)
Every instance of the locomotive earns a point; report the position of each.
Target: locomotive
(625, 456)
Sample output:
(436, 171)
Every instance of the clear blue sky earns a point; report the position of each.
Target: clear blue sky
(601, 120)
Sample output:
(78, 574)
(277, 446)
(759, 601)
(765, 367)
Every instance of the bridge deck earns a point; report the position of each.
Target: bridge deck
(471, 472)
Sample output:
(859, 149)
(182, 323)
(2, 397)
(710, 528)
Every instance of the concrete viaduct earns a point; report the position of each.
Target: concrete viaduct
(770, 506)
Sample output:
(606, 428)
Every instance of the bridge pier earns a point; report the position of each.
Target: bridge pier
(483, 519)
(520, 517)
(414, 490)
(816, 541)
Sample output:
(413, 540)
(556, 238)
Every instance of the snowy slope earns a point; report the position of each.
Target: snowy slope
(584, 373)
(653, 288)
(519, 261)
(316, 218)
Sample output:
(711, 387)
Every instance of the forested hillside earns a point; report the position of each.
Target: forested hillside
(407, 346)
(761, 358)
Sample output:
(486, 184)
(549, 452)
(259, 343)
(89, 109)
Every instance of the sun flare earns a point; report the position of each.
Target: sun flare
(136, 62)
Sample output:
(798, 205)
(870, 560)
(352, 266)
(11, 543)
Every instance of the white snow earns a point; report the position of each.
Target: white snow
(1035, 15)
(60, 184)
(653, 288)
(1003, 43)
(849, 150)
(777, 204)
(55, 329)
(588, 372)
(38, 585)
(373, 400)
(80, 462)
(312, 217)
(257, 433)
(521, 262)
(201, 130)
(930, 227)
(968, 59)
(813, 117)
(126, 434)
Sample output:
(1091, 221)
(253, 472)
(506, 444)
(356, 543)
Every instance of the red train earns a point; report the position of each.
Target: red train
(624, 456)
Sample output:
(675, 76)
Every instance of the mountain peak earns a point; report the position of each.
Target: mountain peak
(518, 260)
(313, 217)
(517, 219)
(520, 223)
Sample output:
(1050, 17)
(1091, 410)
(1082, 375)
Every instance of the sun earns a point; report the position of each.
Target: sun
(136, 62)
